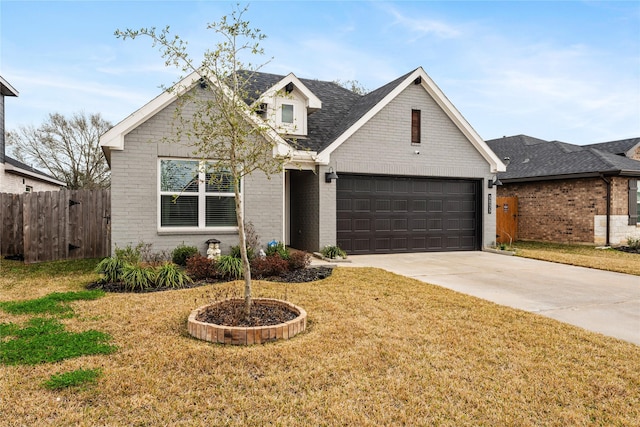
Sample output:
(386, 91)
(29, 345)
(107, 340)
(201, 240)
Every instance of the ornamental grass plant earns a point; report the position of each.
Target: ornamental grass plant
(379, 349)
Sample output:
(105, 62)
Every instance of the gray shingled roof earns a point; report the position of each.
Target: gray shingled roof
(616, 147)
(23, 166)
(341, 108)
(534, 159)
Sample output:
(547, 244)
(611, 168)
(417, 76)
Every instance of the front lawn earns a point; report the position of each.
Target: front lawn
(380, 349)
(581, 255)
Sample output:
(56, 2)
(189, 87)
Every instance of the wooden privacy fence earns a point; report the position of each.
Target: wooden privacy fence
(53, 225)
(506, 219)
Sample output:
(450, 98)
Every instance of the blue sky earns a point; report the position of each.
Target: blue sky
(563, 70)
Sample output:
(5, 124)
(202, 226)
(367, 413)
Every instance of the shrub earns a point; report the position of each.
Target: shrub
(111, 270)
(333, 252)
(182, 253)
(137, 278)
(235, 252)
(230, 267)
(271, 265)
(299, 260)
(633, 242)
(280, 249)
(129, 255)
(170, 276)
(200, 267)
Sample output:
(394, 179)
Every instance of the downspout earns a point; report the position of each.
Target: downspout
(608, 182)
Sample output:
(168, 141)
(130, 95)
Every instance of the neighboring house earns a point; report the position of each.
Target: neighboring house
(15, 176)
(412, 173)
(572, 193)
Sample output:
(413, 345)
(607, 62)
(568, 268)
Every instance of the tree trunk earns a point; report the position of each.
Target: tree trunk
(246, 268)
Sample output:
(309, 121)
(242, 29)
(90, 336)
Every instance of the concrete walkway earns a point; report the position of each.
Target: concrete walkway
(599, 301)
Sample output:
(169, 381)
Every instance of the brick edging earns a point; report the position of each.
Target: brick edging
(237, 335)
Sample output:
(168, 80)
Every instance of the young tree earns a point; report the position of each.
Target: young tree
(219, 124)
(67, 148)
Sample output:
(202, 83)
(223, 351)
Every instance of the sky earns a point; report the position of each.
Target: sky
(555, 70)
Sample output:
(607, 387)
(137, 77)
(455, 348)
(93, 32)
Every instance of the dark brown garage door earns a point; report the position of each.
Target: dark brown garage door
(383, 214)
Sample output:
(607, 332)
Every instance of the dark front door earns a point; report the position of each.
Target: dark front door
(387, 214)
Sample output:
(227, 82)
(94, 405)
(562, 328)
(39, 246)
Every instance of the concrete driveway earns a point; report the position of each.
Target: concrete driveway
(599, 301)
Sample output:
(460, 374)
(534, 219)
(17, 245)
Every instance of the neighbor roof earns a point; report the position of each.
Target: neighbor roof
(536, 159)
(6, 89)
(17, 167)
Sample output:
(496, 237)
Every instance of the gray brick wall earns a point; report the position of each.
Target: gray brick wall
(134, 185)
(383, 146)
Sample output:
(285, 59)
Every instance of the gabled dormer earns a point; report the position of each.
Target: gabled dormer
(286, 106)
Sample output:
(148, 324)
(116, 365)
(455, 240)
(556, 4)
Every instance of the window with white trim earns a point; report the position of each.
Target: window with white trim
(194, 195)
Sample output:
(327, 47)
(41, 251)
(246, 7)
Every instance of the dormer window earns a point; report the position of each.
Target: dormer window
(286, 106)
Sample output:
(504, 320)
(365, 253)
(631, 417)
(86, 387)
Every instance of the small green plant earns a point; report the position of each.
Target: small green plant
(182, 253)
(633, 242)
(110, 269)
(45, 340)
(280, 249)
(333, 252)
(137, 277)
(234, 251)
(79, 377)
(54, 303)
(129, 254)
(230, 267)
(170, 276)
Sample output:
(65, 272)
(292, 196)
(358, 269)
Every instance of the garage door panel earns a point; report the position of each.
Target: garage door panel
(362, 224)
(385, 214)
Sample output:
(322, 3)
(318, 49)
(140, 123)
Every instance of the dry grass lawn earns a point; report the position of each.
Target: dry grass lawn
(380, 349)
(581, 255)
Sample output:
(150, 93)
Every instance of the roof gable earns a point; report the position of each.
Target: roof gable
(374, 102)
(113, 139)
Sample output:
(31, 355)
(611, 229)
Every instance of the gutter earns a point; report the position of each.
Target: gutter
(608, 182)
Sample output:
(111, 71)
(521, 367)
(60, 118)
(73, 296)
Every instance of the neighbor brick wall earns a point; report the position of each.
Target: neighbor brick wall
(558, 211)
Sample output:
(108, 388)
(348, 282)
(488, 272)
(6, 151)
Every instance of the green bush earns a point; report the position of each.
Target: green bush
(129, 255)
(110, 269)
(333, 252)
(200, 267)
(137, 277)
(234, 251)
(230, 267)
(170, 276)
(280, 249)
(182, 253)
(633, 242)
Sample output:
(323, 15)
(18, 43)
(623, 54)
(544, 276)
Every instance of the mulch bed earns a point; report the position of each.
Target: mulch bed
(231, 313)
(303, 275)
(628, 250)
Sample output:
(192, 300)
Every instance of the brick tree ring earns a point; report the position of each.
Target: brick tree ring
(247, 335)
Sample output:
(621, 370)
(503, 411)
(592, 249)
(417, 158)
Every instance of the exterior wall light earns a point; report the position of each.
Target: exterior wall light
(495, 183)
(329, 176)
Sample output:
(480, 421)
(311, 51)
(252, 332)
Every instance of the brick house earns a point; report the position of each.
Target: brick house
(571, 193)
(412, 173)
(15, 176)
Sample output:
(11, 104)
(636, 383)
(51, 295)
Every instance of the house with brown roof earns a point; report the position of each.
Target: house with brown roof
(572, 193)
(396, 170)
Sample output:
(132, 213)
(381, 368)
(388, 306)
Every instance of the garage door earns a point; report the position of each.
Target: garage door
(384, 214)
